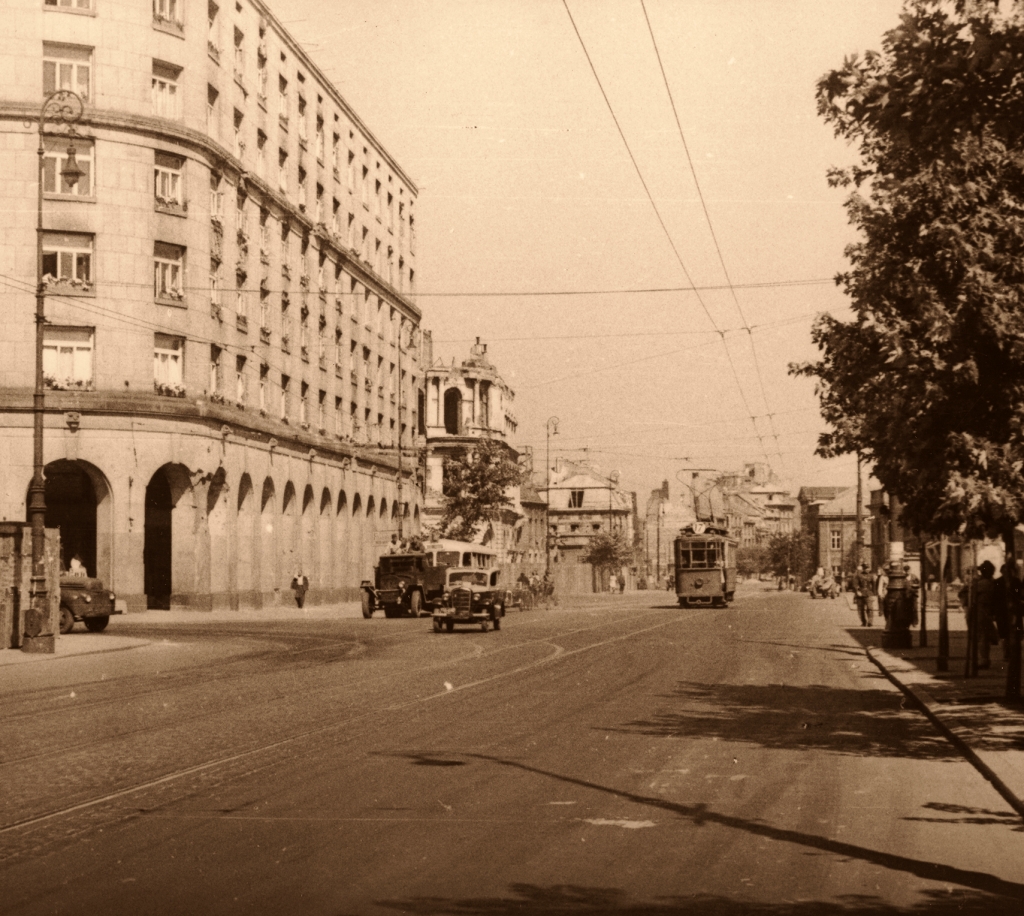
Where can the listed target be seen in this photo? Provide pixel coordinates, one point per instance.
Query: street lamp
(62, 107)
(551, 429)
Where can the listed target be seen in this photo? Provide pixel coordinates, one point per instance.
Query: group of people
(871, 595)
(993, 606)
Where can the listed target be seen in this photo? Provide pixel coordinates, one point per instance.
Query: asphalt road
(622, 756)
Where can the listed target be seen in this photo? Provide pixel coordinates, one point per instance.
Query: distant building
(583, 503)
(464, 404)
(829, 517)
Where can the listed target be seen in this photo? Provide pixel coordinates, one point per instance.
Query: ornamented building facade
(231, 348)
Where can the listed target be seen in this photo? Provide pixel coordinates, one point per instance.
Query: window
(239, 54)
(241, 388)
(165, 90)
(264, 381)
(216, 198)
(168, 183)
(376, 198)
(264, 234)
(339, 429)
(575, 499)
(282, 100)
(304, 404)
(215, 287)
(69, 4)
(391, 211)
(168, 12)
(261, 80)
(212, 36)
(211, 111)
(836, 539)
(67, 358)
(261, 154)
(320, 144)
(67, 259)
(215, 373)
(54, 159)
(336, 216)
(168, 271)
(285, 392)
(168, 364)
(321, 409)
(351, 170)
(239, 137)
(335, 153)
(318, 215)
(67, 67)
(282, 171)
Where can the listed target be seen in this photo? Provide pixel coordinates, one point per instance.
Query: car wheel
(437, 625)
(67, 621)
(367, 605)
(97, 624)
(416, 603)
(449, 625)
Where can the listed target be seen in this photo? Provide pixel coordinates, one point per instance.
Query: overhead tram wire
(711, 228)
(668, 236)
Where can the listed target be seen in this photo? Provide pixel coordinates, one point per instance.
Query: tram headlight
(697, 583)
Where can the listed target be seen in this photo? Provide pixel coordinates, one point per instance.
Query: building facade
(465, 403)
(231, 353)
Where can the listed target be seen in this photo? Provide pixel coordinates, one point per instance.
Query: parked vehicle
(473, 597)
(84, 598)
(826, 587)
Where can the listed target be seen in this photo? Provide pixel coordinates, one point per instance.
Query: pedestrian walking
(862, 593)
(983, 613)
(300, 584)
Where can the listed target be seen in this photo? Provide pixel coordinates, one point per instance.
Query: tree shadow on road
(573, 900)
(843, 721)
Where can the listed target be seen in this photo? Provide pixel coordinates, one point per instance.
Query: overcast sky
(577, 246)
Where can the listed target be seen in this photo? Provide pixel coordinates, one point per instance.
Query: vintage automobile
(84, 598)
(403, 583)
(472, 596)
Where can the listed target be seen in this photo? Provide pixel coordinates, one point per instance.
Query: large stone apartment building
(231, 351)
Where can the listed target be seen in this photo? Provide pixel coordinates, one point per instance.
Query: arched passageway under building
(78, 502)
(163, 517)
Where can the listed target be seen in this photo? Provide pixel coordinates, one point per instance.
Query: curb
(14, 657)
(958, 737)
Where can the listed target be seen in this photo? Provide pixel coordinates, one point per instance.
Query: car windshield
(467, 577)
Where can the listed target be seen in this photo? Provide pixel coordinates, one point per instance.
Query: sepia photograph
(489, 457)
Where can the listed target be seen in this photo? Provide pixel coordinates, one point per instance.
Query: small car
(472, 596)
(84, 598)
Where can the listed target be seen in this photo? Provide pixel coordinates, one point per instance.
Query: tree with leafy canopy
(790, 553)
(926, 381)
(608, 551)
(751, 560)
(476, 481)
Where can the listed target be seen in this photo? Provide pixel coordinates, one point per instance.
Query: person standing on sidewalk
(862, 593)
(880, 590)
(984, 611)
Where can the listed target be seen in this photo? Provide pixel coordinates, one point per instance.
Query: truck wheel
(67, 621)
(367, 605)
(97, 624)
(416, 603)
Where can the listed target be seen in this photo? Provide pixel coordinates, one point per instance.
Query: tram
(705, 558)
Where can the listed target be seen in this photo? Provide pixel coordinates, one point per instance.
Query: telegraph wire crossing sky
(596, 175)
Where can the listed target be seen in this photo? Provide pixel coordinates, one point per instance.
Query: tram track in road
(555, 654)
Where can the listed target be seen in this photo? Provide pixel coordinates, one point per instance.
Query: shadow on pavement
(572, 900)
(843, 721)
(965, 891)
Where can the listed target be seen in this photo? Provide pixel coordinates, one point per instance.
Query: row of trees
(926, 382)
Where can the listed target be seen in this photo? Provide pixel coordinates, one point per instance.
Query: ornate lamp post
(62, 107)
(550, 429)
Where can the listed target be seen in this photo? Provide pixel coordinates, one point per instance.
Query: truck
(84, 598)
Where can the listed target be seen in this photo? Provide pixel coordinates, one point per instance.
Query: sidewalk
(971, 712)
(80, 642)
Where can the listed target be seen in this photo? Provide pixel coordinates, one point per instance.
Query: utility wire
(664, 228)
(711, 228)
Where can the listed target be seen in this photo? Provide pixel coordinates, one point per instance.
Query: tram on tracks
(705, 558)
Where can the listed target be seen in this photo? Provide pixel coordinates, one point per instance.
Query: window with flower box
(169, 181)
(169, 15)
(168, 272)
(168, 365)
(166, 103)
(67, 358)
(67, 261)
(54, 160)
(67, 67)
